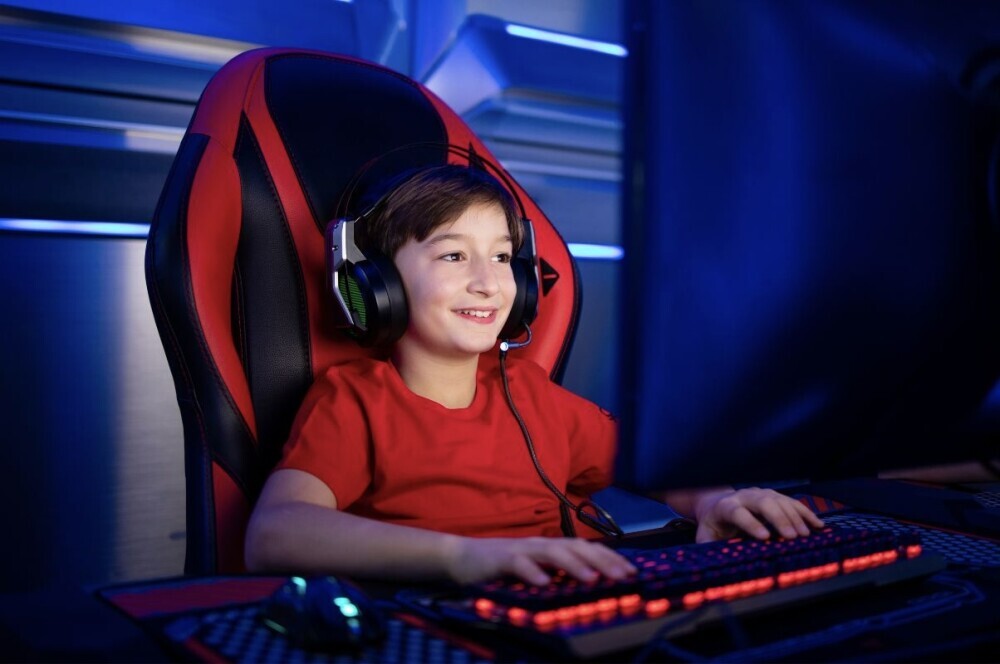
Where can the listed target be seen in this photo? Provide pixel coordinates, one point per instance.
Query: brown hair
(421, 202)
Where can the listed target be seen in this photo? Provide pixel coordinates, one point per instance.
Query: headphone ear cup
(385, 314)
(525, 306)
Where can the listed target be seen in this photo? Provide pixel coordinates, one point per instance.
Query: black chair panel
(269, 299)
(321, 106)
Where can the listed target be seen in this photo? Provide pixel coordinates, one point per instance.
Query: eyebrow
(444, 237)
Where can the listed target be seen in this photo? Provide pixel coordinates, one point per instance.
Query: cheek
(432, 295)
(423, 290)
(509, 287)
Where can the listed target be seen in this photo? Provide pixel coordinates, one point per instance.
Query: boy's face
(459, 285)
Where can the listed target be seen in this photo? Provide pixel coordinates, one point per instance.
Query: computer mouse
(323, 612)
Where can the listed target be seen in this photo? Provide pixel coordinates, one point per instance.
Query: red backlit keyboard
(686, 584)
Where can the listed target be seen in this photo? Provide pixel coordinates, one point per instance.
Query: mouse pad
(216, 619)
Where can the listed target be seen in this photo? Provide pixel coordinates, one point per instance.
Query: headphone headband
(474, 160)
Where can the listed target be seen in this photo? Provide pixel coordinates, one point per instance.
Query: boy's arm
(296, 526)
(723, 512)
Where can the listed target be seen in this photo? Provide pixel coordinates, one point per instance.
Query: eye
(502, 258)
(452, 257)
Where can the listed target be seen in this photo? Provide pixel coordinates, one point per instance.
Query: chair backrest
(235, 263)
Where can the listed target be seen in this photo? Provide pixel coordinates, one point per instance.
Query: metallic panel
(92, 452)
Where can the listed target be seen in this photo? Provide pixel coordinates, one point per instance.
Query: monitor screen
(811, 244)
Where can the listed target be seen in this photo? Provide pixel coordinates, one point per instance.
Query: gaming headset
(371, 300)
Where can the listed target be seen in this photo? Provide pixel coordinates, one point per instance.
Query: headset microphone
(506, 345)
(602, 522)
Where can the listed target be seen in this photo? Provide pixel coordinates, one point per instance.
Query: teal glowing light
(606, 252)
(346, 606)
(140, 230)
(105, 228)
(567, 40)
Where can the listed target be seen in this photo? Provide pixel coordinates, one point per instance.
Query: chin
(480, 348)
(484, 348)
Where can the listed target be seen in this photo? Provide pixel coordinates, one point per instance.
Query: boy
(414, 468)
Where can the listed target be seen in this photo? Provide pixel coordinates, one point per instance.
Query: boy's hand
(728, 513)
(477, 559)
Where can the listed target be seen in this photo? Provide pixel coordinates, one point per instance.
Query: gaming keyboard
(677, 588)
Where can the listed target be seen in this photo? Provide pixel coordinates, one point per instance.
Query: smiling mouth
(478, 315)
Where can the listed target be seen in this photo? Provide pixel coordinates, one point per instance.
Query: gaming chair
(235, 263)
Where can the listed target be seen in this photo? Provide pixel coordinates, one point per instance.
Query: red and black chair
(235, 262)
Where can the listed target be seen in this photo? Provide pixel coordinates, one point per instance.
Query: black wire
(659, 641)
(737, 635)
(603, 522)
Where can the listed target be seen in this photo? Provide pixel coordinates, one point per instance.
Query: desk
(960, 620)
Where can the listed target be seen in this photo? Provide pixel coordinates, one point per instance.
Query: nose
(483, 277)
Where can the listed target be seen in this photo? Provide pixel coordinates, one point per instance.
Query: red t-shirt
(392, 455)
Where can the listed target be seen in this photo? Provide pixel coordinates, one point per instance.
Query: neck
(449, 382)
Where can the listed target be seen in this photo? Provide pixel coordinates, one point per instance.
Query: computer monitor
(811, 285)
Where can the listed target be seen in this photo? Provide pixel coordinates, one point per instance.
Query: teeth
(477, 314)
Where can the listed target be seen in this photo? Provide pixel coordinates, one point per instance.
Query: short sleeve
(593, 438)
(330, 439)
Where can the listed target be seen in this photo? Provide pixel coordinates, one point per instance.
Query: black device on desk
(258, 619)
(679, 589)
(323, 611)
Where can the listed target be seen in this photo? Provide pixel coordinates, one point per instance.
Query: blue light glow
(106, 228)
(567, 40)
(604, 252)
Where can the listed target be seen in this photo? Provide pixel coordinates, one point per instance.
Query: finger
(800, 516)
(772, 511)
(724, 519)
(559, 553)
(810, 517)
(782, 513)
(707, 533)
(529, 570)
(609, 563)
(796, 518)
(744, 519)
(619, 562)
